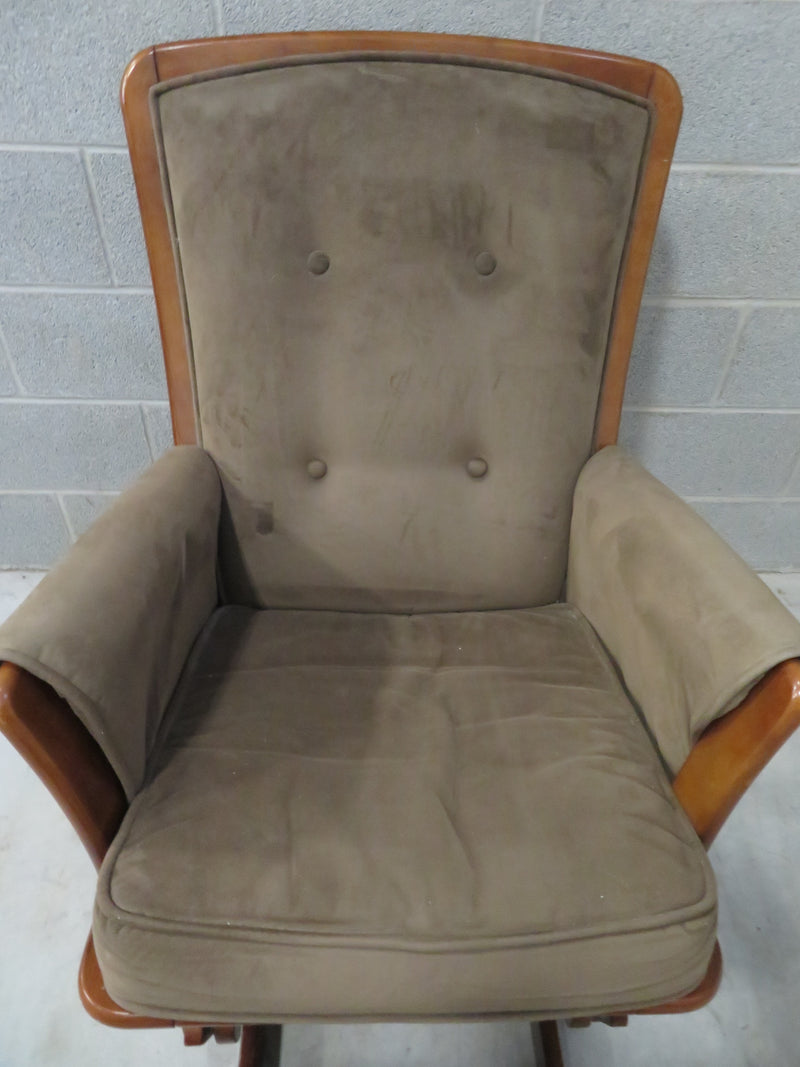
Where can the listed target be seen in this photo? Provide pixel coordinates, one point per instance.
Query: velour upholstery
(111, 626)
(398, 280)
(689, 624)
(361, 815)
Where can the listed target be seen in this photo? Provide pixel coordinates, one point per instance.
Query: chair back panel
(399, 275)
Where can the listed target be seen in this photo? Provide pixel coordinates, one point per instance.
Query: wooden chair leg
(193, 1036)
(548, 1042)
(227, 1035)
(261, 1046)
(198, 1035)
(581, 1022)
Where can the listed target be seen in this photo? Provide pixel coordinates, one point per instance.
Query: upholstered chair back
(399, 276)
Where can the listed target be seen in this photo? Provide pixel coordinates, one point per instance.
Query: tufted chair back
(398, 275)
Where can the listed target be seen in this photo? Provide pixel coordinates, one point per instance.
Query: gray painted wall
(713, 404)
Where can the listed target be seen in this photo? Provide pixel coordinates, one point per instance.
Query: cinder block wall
(713, 404)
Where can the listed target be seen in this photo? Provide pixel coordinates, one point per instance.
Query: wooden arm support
(55, 743)
(733, 750)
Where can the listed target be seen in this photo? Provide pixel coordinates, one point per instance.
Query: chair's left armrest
(690, 626)
(110, 628)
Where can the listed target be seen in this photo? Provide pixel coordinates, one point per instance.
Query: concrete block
(119, 210)
(84, 345)
(50, 236)
(715, 453)
(766, 368)
(8, 387)
(767, 535)
(728, 234)
(511, 18)
(736, 64)
(70, 446)
(792, 487)
(32, 530)
(62, 63)
(678, 354)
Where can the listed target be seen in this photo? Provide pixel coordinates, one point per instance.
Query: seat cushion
(447, 815)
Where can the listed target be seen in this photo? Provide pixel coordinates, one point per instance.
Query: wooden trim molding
(667, 105)
(140, 75)
(97, 1002)
(699, 997)
(181, 58)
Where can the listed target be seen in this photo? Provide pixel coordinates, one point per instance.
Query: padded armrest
(111, 626)
(691, 627)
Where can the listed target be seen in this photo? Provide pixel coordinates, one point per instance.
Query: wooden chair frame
(729, 754)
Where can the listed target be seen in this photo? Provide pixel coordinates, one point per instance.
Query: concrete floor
(47, 885)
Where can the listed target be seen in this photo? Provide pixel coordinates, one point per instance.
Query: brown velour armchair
(398, 691)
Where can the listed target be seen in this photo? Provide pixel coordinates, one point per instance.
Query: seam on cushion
(662, 772)
(388, 665)
(271, 754)
(558, 607)
(176, 700)
(601, 654)
(171, 711)
(220, 930)
(302, 940)
(631, 996)
(443, 59)
(627, 997)
(625, 1002)
(275, 753)
(82, 705)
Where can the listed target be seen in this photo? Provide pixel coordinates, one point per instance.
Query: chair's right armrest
(110, 628)
(688, 623)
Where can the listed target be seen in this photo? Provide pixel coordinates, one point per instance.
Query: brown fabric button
(477, 467)
(317, 468)
(485, 263)
(318, 262)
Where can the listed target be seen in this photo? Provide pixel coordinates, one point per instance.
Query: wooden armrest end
(733, 750)
(55, 743)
